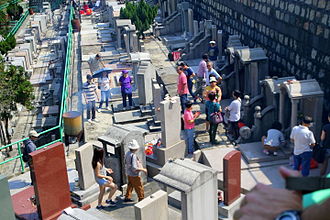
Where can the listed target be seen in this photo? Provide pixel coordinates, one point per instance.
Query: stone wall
(295, 34)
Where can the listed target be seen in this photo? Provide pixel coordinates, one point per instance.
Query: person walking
(102, 179)
(213, 51)
(29, 147)
(211, 73)
(125, 82)
(182, 88)
(212, 106)
(90, 95)
(274, 139)
(303, 140)
(133, 167)
(234, 114)
(202, 69)
(95, 63)
(189, 126)
(190, 77)
(104, 85)
(325, 142)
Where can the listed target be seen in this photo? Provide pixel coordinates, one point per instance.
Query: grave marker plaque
(232, 176)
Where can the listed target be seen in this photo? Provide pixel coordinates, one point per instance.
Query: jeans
(213, 132)
(105, 95)
(91, 107)
(190, 135)
(190, 88)
(183, 100)
(234, 129)
(130, 100)
(304, 160)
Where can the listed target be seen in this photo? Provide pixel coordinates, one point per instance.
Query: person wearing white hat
(29, 147)
(133, 168)
(213, 51)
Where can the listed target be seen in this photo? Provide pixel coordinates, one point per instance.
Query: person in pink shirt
(182, 88)
(201, 73)
(189, 126)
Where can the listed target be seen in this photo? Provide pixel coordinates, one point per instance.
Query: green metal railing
(18, 24)
(63, 108)
(5, 5)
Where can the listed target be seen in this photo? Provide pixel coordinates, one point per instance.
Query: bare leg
(263, 140)
(113, 188)
(102, 190)
(324, 166)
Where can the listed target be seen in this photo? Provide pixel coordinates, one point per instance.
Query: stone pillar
(232, 177)
(208, 27)
(195, 23)
(190, 15)
(257, 123)
(126, 41)
(219, 39)
(169, 9)
(281, 107)
(236, 69)
(152, 206)
(118, 38)
(317, 116)
(254, 79)
(294, 112)
(246, 108)
(214, 32)
(157, 98)
(135, 45)
(201, 26)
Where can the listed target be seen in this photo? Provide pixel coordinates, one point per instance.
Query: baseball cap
(89, 76)
(33, 133)
(213, 79)
(124, 71)
(212, 42)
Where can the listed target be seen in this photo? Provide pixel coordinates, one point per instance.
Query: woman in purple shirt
(126, 88)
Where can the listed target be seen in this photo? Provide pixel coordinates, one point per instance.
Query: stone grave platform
(253, 153)
(117, 106)
(129, 117)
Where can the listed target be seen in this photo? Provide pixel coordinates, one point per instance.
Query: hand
(265, 202)
(145, 170)
(110, 171)
(109, 178)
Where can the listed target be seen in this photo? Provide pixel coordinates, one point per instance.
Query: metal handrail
(65, 90)
(18, 24)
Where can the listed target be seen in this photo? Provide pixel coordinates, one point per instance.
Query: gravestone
(51, 180)
(232, 177)
(83, 163)
(7, 212)
(195, 23)
(157, 97)
(197, 184)
(152, 206)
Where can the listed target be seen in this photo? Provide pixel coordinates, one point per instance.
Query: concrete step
(174, 199)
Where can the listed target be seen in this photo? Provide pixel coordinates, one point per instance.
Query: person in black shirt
(325, 142)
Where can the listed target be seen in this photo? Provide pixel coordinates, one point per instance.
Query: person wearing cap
(94, 63)
(214, 89)
(133, 168)
(213, 51)
(303, 140)
(29, 147)
(90, 95)
(211, 72)
(125, 82)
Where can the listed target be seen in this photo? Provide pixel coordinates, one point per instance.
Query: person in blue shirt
(213, 51)
(188, 71)
(29, 147)
(212, 106)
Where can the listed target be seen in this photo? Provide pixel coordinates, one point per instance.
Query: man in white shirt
(94, 63)
(234, 114)
(104, 85)
(303, 140)
(211, 73)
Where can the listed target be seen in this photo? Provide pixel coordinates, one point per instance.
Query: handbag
(319, 153)
(216, 118)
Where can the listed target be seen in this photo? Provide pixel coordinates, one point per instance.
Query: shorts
(101, 181)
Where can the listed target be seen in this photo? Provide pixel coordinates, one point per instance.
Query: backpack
(25, 155)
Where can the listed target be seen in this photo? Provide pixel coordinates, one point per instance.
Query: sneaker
(98, 110)
(100, 207)
(128, 200)
(95, 120)
(275, 153)
(109, 108)
(90, 121)
(124, 109)
(266, 152)
(110, 202)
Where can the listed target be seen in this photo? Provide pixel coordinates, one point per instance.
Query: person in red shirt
(189, 126)
(182, 88)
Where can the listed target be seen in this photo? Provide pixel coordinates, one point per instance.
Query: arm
(323, 135)
(135, 165)
(312, 140)
(319, 211)
(97, 172)
(219, 95)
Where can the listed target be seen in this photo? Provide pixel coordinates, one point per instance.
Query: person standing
(89, 91)
(212, 106)
(102, 179)
(29, 147)
(125, 82)
(190, 76)
(202, 69)
(213, 51)
(182, 88)
(325, 142)
(211, 73)
(104, 85)
(234, 114)
(303, 140)
(95, 62)
(133, 168)
(189, 126)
